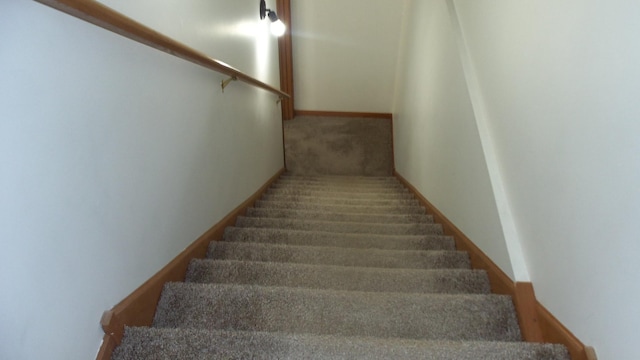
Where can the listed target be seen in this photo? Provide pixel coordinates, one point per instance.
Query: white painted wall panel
(561, 85)
(114, 157)
(437, 144)
(345, 54)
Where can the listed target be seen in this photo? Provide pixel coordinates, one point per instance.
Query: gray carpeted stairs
(333, 268)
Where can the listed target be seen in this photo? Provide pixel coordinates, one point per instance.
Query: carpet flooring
(321, 145)
(331, 267)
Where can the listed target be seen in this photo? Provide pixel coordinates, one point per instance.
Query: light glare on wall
(278, 28)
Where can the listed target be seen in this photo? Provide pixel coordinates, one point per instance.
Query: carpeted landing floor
(333, 268)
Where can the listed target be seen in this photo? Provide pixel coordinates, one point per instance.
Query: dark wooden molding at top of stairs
(537, 324)
(139, 307)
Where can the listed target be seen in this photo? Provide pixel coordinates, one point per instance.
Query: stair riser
(339, 217)
(342, 182)
(364, 187)
(338, 278)
(339, 201)
(194, 344)
(250, 308)
(338, 178)
(341, 189)
(340, 227)
(303, 238)
(346, 195)
(339, 256)
(388, 210)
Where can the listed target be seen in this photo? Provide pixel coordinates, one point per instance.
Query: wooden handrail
(105, 17)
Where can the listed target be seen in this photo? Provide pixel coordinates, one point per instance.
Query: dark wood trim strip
(536, 322)
(286, 59)
(500, 282)
(393, 147)
(524, 300)
(138, 309)
(554, 332)
(108, 345)
(387, 116)
(107, 18)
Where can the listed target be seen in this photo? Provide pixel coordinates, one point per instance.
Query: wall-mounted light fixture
(277, 26)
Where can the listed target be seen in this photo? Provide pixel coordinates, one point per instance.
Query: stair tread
(340, 189)
(334, 194)
(345, 184)
(339, 256)
(334, 267)
(347, 180)
(350, 313)
(140, 343)
(327, 239)
(338, 277)
(340, 217)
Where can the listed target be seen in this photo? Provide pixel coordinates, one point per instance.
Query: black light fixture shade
(263, 9)
(264, 12)
(277, 26)
(272, 16)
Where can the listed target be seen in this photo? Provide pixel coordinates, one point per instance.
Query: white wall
(345, 54)
(437, 144)
(114, 157)
(561, 87)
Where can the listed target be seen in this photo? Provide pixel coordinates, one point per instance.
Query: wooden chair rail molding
(537, 324)
(139, 308)
(107, 18)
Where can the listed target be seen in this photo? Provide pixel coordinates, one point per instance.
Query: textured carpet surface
(340, 217)
(338, 277)
(350, 313)
(358, 209)
(333, 268)
(340, 146)
(195, 344)
(408, 259)
(329, 239)
(340, 227)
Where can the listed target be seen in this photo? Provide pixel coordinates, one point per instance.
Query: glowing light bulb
(278, 28)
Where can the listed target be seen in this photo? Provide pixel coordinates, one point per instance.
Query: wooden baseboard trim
(524, 300)
(500, 282)
(108, 345)
(554, 332)
(138, 309)
(537, 324)
(387, 116)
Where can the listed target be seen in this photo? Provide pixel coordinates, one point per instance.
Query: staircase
(333, 268)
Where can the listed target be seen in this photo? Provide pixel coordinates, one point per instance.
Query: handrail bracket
(226, 82)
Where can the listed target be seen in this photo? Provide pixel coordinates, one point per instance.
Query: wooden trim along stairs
(537, 324)
(139, 307)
